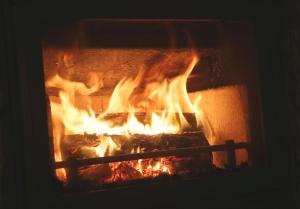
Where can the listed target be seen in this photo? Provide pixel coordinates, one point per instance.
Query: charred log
(83, 146)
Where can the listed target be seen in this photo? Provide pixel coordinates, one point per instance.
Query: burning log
(191, 151)
(82, 145)
(161, 141)
(120, 118)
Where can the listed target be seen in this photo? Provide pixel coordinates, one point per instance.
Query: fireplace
(167, 98)
(143, 111)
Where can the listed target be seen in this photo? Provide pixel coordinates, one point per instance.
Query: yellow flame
(107, 145)
(169, 99)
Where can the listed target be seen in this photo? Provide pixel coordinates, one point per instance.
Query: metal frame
(72, 164)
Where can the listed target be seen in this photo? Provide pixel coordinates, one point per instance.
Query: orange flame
(168, 97)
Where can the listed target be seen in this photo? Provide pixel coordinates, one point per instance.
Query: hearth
(143, 110)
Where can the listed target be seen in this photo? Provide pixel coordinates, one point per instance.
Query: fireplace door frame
(31, 178)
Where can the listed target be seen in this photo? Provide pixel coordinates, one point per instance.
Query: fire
(164, 101)
(136, 169)
(106, 145)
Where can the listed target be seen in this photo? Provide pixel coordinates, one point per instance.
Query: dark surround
(26, 185)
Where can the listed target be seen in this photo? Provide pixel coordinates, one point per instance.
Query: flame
(164, 100)
(171, 95)
(138, 168)
(106, 145)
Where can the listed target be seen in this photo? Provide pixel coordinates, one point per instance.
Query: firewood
(160, 141)
(80, 146)
(120, 118)
(180, 152)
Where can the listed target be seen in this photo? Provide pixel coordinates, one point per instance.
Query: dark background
(279, 53)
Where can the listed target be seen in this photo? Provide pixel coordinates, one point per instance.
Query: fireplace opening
(147, 100)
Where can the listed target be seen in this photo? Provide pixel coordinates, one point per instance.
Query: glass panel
(136, 99)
